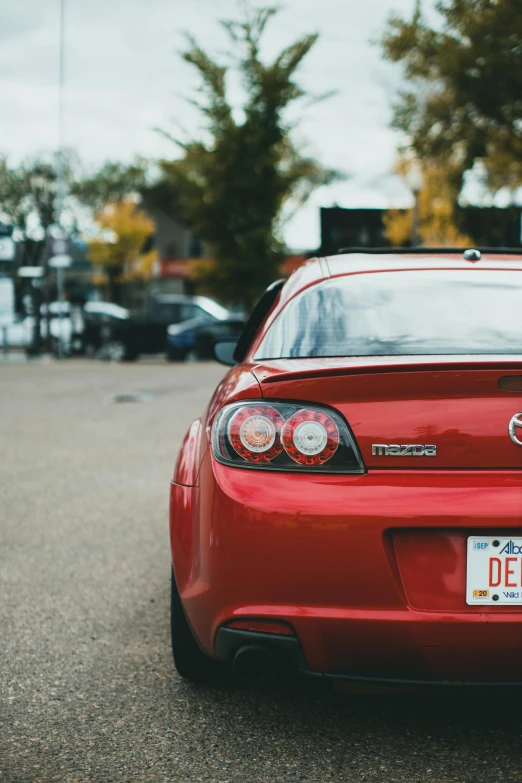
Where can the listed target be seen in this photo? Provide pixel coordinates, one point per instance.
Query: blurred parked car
(194, 339)
(104, 326)
(65, 326)
(18, 334)
(112, 332)
(67, 329)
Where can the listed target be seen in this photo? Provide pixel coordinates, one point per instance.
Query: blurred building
(492, 226)
(342, 227)
(178, 249)
(489, 227)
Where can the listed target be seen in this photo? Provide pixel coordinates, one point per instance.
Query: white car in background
(20, 334)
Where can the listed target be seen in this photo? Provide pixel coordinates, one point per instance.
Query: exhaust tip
(255, 665)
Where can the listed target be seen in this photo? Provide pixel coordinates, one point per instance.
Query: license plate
(494, 571)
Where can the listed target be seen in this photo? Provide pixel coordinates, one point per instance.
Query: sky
(124, 78)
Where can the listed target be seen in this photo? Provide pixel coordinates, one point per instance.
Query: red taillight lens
(254, 432)
(284, 436)
(310, 437)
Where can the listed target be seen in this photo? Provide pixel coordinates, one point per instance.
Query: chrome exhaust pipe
(255, 665)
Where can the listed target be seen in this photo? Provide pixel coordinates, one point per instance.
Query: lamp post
(44, 187)
(48, 190)
(415, 181)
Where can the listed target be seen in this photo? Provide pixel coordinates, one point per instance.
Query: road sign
(7, 301)
(7, 248)
(61, 261)
(31, 271)
(59, 245)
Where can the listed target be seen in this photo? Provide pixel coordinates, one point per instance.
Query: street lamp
(44, 187)
(414, 180)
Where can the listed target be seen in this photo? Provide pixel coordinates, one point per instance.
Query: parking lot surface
(87, 686)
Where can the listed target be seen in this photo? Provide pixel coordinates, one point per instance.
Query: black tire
(131, 355)
(172, 355)
(117, 350)
(190, 662)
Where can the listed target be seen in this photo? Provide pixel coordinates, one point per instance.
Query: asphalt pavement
(87, 686)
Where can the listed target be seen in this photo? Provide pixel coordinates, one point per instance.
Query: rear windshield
(402, 313)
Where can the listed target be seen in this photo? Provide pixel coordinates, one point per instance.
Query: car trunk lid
(398, 406)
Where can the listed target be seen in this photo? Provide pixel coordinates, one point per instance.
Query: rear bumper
(319, 553)
(289, 652)
(405, 645)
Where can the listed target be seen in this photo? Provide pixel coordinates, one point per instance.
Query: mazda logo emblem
(515, 429)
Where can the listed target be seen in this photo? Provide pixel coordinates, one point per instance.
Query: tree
(111, 183)
(464, 101)
(120, 252)
(28, 194)
(15, 190)
(231, 188)
(438, 224)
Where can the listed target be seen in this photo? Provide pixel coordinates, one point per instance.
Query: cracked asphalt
(87, 686)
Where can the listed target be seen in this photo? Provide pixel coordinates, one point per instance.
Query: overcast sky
(124, 78)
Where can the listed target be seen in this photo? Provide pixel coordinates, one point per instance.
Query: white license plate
(494, 570)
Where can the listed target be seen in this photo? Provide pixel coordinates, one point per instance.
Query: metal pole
(45, 294)
(60, 190)
(415, 219)
(36, 348)
(5, 341)
(59, 279)
(60, 167)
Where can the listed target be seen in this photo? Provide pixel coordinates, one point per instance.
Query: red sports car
(350, 503)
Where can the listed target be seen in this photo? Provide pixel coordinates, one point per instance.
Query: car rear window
(402, 313)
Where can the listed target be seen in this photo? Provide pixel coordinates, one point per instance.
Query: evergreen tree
(231, 188)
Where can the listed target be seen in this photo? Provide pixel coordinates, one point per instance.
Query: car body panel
(189, 457)
(239, 383)
(313, 577)
(413, 406)
(183, 521)
(369, 569)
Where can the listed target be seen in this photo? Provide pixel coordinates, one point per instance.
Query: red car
(350, 503)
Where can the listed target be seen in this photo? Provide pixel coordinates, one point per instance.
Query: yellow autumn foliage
(121, 256)
(436, 204)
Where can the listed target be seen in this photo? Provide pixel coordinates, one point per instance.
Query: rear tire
(190, 662)
(173, 355)
(117, 351)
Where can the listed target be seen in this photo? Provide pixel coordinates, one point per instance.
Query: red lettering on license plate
(505, 572)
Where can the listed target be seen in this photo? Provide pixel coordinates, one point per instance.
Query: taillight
(310, 437)
(254, 432)
(285, 436)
